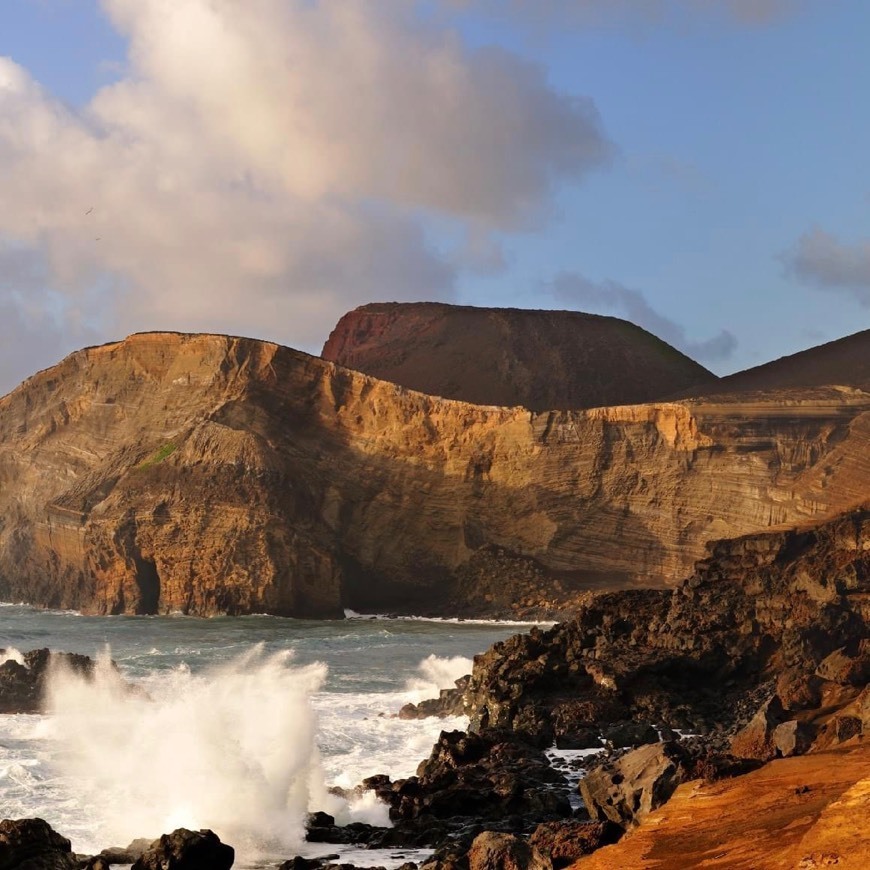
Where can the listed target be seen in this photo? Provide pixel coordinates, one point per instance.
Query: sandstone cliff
(507, 356)
(212, 474)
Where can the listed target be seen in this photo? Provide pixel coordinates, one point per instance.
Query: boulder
(22, 685)
(566, 842)
(756, 740)
(127, 855)
(494, 851)
(32, 844)
(793, 738)
(630, 734)
(486, 776)
(626, 790)
(187, 850)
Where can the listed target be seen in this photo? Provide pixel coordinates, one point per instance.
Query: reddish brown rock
(565, 842)
(494, 851)
(542, 360)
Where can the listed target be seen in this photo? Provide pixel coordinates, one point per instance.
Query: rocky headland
(762, 654)
(208, 474)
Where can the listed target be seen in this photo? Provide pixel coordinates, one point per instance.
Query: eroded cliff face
(211, 474)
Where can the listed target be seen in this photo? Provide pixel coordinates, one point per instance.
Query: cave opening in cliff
(148, 581)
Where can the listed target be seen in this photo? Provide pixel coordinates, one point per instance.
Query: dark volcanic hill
(542, 360)
(845, 362)
(211, 474)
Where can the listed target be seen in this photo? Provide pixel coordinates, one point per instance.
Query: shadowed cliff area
(541, 360)
(211, 474)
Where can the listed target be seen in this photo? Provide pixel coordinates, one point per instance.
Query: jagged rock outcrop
(473, 776)
(29, 844)
(542, 360)
(209, 474)
(762, 614)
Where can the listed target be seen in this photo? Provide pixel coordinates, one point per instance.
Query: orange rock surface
(793, 814)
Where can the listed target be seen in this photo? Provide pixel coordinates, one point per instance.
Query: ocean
(238, 724)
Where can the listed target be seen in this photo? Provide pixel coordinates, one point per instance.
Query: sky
(258, 168)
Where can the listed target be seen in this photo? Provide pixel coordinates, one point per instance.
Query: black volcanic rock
(187, 850)
(758, 608)
(22, 686)
(492, 776)
(32, 844)
(542, 360)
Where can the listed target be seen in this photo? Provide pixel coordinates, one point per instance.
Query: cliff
(212, 474)
(508, 356)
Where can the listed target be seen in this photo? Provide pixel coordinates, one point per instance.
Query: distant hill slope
(211, 474)
(845, 362)
(542, 360)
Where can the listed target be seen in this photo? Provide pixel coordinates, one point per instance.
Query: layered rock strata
(208, 474)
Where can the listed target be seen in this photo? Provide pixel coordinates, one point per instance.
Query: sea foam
(231, 749)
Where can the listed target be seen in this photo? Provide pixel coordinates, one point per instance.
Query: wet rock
(474, 775)
(495, 851)
(22, 686)
(630, 734)
(626, 790)
(32, 844)
(300, 863)
(187, 850)
(129, 854)
(566, 842)
(450, 702)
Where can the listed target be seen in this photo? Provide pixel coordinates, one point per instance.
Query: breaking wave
(231, 748)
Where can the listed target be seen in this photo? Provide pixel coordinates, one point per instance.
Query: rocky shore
(762, 654)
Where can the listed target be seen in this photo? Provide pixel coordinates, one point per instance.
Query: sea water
(238, 724)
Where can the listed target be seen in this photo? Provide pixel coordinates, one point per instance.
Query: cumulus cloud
(823, 261)
(610, 297)
(33, 319)
(261, 168)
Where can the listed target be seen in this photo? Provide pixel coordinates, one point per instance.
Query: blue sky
(698, 170)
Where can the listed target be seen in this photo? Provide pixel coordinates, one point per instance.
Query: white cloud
(823, 261)
(612, 298)
(265, 166)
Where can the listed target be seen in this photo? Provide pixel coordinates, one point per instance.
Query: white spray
(232, 749)
(436, 673)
